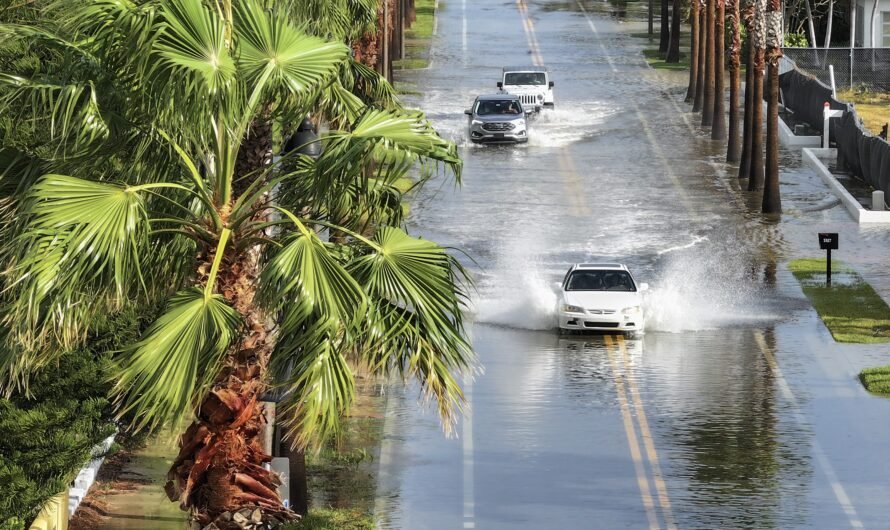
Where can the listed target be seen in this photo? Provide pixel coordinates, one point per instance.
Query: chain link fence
(854, 68)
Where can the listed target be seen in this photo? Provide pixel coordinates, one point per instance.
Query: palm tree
(673, 52)
(747, 16)
(718, 124)
(772, 202)
(758, 41)
(693, 50)
(699, 99)
(733, 147)
(707, 114)
(147, 181)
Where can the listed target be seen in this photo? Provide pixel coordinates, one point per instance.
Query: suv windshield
(525, 78)
(593, 280)
(498, 106)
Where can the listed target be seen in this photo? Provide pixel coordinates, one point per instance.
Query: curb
(811, 156)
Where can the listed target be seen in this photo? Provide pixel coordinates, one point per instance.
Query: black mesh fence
(867, 68)
(865, 155)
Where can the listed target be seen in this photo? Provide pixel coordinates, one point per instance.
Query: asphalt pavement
(735, 409)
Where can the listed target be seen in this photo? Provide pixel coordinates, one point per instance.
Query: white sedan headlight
(631, 310)
(567, 308)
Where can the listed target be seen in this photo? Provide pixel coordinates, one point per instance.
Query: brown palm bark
(219, 471)
(693, 50)
(718, 124)
(747, 15)
(733, 145)
(755, 177)
(772, 202)
(664, 36)
(707, 112)
(699, 100)
(673, 53)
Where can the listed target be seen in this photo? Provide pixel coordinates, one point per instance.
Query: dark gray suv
(497, 118)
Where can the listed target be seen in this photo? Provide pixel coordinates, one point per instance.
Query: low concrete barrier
(813, 158)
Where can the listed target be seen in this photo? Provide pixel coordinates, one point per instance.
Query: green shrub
(796, 40)
(48, 434)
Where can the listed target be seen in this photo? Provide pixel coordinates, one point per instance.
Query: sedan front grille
(498, 126)
(601, 311)
(601, 324)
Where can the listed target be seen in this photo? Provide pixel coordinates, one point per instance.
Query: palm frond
(270, 45)
(80, 246)
(163, 377)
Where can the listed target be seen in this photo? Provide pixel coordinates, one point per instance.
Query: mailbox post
(828, 241)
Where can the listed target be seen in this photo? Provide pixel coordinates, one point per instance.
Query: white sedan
(600, 297)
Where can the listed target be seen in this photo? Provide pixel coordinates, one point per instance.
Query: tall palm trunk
(707, 113)
(718, 126)
(748, 19)
(772, 202)
(693, 51)
(664, 37)
(733, 146)
(755, 177)
(699, 101)
(219, 470)
(673, 53)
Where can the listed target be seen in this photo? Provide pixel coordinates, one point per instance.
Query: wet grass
(850, 308)
(419, 38)
(655, 58)
(872, 107)
(876, 380)
(336, 519)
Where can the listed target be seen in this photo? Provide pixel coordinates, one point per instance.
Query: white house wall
(866, 23)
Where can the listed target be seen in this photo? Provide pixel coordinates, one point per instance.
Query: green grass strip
(876, 380)
(333, 519)
(850, 308)
(419, 37)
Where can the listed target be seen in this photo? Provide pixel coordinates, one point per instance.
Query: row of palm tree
(763, 26)
(138, 172)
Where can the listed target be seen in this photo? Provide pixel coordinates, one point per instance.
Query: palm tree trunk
(673, 54)
(707, 113)
(219, 470)
(733, 146)
(745, 163)
(755, 178)
(693, 51)
(699, 100)
(772, 202)
(718, 126)
(664, 37)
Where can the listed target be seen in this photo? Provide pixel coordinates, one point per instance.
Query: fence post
(831, 75)
(825, 130)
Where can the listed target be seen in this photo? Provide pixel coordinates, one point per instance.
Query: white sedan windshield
(591, 280)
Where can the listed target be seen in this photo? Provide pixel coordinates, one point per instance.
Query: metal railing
(853, 67)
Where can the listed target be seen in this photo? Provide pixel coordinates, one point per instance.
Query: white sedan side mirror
(644, 286)
(557, 286)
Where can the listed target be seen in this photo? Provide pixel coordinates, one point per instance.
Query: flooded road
(734, 410)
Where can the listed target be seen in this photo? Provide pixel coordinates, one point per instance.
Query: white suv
(531, 83)
(600, 297)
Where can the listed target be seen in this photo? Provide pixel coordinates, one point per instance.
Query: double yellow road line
(642, 447)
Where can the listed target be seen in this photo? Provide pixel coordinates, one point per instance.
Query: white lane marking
(839, 492)
(463, 11)
(469, 490)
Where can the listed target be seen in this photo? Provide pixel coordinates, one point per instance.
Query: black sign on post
(828, 241)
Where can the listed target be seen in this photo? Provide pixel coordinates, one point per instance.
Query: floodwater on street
(734, 410)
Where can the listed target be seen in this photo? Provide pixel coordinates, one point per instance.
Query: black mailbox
(828, 241)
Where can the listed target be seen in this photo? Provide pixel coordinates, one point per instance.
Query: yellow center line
(530, 35)
(646, 435)
(633, 443)
(580, 207)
